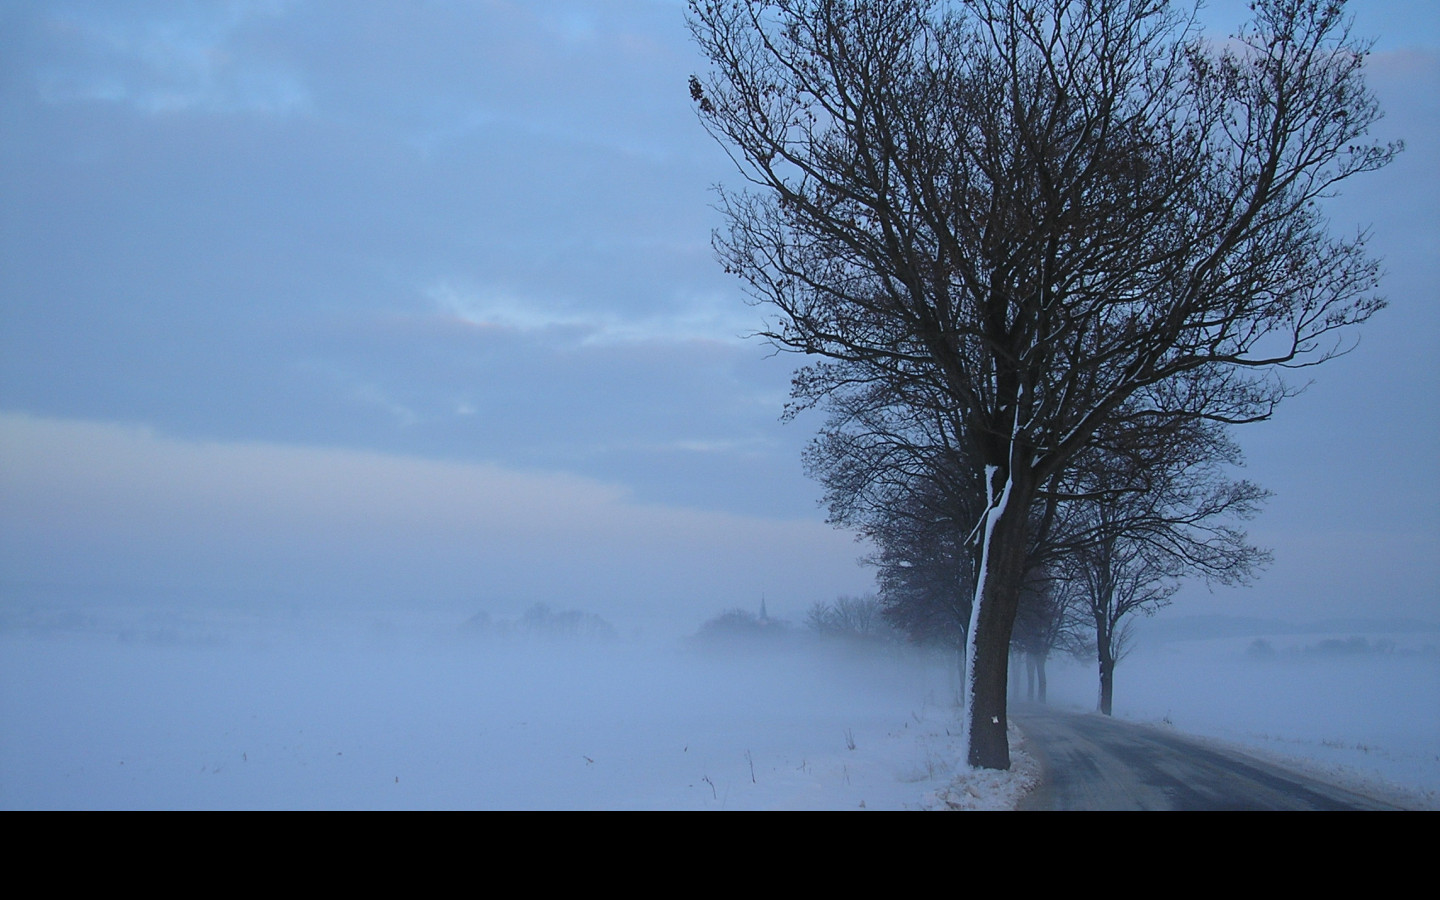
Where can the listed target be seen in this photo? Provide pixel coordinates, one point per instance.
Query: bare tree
(926, 576)
(1142, 519)
(855, 618)
(1041, 218)
(1115, 578)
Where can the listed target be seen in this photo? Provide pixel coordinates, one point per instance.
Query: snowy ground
(173, 714)
(179, 712)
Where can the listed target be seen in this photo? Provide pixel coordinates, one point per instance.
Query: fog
(117, 708)
(180, 712)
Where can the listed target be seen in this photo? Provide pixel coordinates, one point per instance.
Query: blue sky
(414, 303)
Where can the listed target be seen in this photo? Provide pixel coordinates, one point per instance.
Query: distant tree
(1114, 579)
(855, 618)
(540, 621)
(926, 580)
(740, 627)
(890, 474)
(1039, 220)
(1142, 517)
(1044, 623)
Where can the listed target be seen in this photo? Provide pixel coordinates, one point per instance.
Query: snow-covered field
(173, 711)
(173, 714)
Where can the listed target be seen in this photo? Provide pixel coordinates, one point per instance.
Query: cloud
(709, 318)
(166, 58)
(85, 504)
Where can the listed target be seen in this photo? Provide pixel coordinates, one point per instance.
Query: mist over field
(130, 709)
(180, 712)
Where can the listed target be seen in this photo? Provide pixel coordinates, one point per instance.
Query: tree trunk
(997, 597)
(1012, 685)
(1107, 677)
(1040, 677)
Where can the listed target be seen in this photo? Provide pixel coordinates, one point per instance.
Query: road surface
(1094, 762)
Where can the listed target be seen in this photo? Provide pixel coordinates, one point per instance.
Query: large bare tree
(1047, 217)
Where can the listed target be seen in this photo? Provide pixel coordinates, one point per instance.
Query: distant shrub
(1260, 649)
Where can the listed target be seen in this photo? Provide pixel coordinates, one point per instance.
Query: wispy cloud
(167, 58)
(698, 318)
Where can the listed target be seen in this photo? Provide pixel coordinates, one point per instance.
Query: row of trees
(1119, 544)
(1122, 531)
(1045, 252)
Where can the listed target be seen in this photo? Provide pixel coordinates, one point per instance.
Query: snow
(190, 713)
(1370, 719)
(203, 711)
(993, 511)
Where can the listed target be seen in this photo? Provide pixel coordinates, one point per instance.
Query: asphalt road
(1093, 762)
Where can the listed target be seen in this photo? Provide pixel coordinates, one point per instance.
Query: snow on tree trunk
(997, 596)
